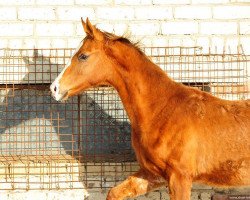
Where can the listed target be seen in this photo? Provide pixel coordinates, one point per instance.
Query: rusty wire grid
(85, 142)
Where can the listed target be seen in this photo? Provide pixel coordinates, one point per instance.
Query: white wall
(56, 23)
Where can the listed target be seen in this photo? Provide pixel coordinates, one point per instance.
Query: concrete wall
(54, 23)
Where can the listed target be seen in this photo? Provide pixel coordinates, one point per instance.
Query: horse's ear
(84, 26)
(92, 31)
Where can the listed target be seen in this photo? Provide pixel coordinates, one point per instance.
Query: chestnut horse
(180, 134)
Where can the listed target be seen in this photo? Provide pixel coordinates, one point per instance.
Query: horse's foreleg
(179, 187)
(135, 185)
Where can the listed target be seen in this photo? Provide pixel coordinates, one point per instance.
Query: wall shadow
(87, 127)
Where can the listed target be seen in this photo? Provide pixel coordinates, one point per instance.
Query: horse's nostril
(55, 88)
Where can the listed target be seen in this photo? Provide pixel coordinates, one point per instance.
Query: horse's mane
(123, 39)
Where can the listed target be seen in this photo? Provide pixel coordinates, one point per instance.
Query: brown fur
(180, 135)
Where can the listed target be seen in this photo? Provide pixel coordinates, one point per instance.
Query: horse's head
(88, 67)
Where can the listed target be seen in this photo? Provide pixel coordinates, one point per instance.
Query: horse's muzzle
(56, 93)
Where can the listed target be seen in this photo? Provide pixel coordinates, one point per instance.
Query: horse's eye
(82, 57)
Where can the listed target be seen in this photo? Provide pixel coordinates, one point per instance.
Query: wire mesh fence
(86, 140)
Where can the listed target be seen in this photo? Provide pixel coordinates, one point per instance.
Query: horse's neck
(143, 87)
